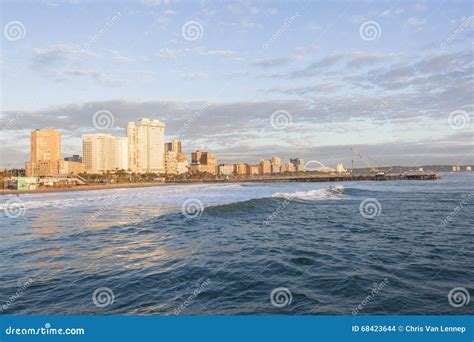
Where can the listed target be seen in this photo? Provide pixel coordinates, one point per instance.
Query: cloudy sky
(245, 79)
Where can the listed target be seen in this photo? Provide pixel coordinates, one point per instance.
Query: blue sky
(389, 88)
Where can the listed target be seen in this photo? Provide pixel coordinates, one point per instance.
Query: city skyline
(334, 85)
(142, 150)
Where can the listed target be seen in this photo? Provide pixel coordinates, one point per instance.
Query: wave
(311, 195)
(243, 207)
(256, 203)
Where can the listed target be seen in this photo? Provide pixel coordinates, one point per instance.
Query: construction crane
(366, 161)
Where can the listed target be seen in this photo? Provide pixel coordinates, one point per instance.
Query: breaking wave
(311, 195)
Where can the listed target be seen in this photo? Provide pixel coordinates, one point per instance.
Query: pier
(346, 178)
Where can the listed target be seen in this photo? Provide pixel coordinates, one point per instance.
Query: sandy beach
(81, 188)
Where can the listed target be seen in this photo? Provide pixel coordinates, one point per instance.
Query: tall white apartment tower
(97, 152)
(104, 152)
(121, 153)
(146, 146)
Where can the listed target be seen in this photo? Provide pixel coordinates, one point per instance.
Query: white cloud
(61, 52)
(419, 7)
(415, 23)
(275, 61)
(169, 53)
(314, 28)
(193, 75)
(98, 76)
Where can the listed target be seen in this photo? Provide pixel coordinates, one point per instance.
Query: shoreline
(314, 178)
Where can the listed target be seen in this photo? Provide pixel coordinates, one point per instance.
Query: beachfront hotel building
(104, 152)
(174, 146)
(203, 162)
(45, 155)
(176, 163)
(298, 163)
(240, 169)
(288, 167)
(276, 163)
(146, 141)
(265, 167)
(253, 170)
(45, 145)
(120, 160)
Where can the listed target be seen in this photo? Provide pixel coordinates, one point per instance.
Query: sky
(245, 80)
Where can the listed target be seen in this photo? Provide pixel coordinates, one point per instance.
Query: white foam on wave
(311, 195)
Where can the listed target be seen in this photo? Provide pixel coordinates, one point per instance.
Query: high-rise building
(104, 152)
(276, 161)
(203, 162)
(98, 151)
(253, 170)
(298, 163)
(288, 167)
(174, 145)
(175, 161)
(146, 141)
(182, 165)
(120, 153)
(45, 155)
(265, 167)
(240, 169)
(275, 168)
(45, 152)
(45, 145)
(171, 163)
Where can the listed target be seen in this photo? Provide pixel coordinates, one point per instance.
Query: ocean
(349, 248)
